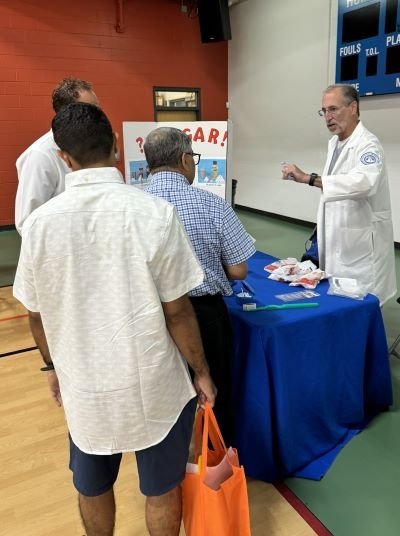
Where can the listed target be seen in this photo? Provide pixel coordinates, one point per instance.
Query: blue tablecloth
(305, 380)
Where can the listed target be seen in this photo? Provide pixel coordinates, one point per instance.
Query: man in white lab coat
(41, 171)
(355, 232)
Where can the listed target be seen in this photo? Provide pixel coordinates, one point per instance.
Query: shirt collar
(171, 176)
(93, 176)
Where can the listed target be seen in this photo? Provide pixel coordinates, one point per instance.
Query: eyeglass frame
(323, 111)
(193, 155)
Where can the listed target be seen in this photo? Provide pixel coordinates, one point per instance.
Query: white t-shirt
(96, 262)
(41, 176)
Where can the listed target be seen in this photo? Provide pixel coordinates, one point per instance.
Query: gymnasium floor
(36, 493)
(357, 497)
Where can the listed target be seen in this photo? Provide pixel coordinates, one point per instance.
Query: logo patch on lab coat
(369, 158)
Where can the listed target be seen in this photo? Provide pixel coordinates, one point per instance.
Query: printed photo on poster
(212, 171)
(139, 173)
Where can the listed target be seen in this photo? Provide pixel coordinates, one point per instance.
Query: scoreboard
(368, 45)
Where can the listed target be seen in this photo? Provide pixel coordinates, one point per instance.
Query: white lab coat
(355, 232)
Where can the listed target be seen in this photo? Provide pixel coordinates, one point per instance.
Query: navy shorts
(161, 467)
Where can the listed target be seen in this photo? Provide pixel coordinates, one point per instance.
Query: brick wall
(43, 41)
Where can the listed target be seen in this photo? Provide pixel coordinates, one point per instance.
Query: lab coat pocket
(355, 246)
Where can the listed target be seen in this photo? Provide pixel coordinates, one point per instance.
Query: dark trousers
(215, 328)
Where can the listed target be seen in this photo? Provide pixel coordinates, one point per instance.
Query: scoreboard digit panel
(368, 45)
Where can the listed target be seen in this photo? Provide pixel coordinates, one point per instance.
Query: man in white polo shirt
(104, 272)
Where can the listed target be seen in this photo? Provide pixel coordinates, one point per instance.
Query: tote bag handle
(210, 430)
(216, 440)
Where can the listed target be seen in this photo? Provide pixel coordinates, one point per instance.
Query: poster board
(209, 138)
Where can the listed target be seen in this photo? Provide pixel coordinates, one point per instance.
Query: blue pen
(251, 307)
(248, 286)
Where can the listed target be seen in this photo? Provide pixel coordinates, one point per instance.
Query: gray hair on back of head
(164, 146)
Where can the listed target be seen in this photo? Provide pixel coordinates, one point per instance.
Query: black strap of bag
(311, 249)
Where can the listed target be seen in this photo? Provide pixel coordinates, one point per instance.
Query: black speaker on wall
(214, 20)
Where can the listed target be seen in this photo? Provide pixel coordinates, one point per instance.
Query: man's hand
(205, 389)
(54, 387)
(292, 172)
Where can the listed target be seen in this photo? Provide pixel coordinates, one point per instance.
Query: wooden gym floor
(36, 493)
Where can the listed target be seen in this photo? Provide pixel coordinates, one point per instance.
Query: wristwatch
(312, 178)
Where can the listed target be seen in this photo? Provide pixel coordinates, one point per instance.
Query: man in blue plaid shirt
(222, 246)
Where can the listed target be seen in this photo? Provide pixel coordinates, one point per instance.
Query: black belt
(206, 298)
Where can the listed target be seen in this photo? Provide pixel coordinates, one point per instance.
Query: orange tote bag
(214, 490)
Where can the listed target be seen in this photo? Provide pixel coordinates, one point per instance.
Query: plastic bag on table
(309, 280)
(346, 287)
(290, 261)
(292, 272)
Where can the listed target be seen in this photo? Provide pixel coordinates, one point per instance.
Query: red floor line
(13, 317)
(302, 510)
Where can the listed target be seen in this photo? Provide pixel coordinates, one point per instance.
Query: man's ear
(64, 156)
(184, 161)
(116, 150)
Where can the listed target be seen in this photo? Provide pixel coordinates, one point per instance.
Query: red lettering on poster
(199, 135)
(139, 141)
(213, 136)
(225, 138)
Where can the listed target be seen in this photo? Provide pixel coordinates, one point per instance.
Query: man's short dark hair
(164, 146)
(84, 132)
(68, 91)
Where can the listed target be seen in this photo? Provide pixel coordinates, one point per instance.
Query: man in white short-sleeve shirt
(41, 171)
(104, 272)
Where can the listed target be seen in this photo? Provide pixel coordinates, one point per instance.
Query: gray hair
(164, 146)
(349, 94)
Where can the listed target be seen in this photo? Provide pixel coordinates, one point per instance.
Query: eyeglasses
(332, 110)
(196, 157)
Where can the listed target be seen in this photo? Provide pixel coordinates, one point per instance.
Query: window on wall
(176, 104)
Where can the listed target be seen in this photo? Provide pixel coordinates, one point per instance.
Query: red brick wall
(43, 41)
